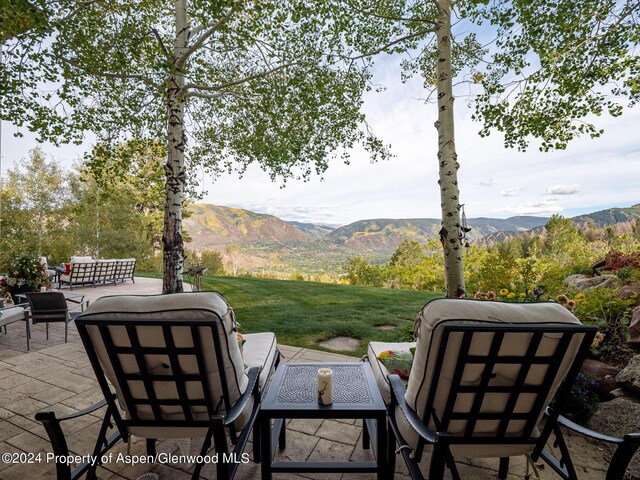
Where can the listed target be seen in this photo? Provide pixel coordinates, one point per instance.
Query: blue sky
(495, 182)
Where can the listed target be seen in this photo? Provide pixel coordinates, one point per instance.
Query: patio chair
(10, 315)
(170, 366)
(482, 378)
(49, 307)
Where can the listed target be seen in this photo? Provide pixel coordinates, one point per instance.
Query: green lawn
(305, 313)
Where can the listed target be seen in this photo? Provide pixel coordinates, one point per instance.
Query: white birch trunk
(448, 159)
(173, 247)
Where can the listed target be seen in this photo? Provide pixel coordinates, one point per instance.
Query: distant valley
(273, 245)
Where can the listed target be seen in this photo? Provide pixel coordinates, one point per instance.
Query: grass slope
(305, 313)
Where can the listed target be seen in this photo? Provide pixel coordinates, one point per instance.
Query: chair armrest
(398, 398)
(633, 438)
(241, 403)
(44, 415)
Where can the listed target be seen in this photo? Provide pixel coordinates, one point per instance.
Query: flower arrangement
(25, 273)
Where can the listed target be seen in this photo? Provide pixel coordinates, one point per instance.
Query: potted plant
(26, 274)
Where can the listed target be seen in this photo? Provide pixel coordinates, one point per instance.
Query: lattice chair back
(484, 372)
(173, 360)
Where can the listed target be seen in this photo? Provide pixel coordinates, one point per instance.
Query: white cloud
(509, 192)
(545, 208)
(560, 189)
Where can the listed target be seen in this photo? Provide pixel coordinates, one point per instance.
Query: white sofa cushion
(79, 259)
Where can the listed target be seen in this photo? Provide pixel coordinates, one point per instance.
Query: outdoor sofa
(87, 271)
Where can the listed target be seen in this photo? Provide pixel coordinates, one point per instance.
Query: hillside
(213, 226)
(276, 247)
(600, 219)
(387, 234)
(610, 216)
(312, 229)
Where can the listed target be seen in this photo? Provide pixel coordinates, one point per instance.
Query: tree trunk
(448, 159)
(173, 247)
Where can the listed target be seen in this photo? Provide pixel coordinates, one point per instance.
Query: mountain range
(213, 226)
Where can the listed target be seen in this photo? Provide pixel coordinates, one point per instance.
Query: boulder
(584, 283)
(616, 418)
(604, 374)
(630, 292)
(634, 326)
(629, 377)
(619, 392)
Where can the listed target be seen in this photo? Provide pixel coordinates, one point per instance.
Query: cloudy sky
(495, 182)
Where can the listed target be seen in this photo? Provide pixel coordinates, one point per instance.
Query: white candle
(325, 386)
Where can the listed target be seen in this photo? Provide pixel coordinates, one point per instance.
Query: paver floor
(57, 376)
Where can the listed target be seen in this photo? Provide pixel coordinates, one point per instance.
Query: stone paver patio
(57, 376)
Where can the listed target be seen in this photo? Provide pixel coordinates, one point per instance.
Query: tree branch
(198, 43)
(207, 88)
(121, 76)
(394, 42)
(161, 43)
(387, 17)
(208, 96)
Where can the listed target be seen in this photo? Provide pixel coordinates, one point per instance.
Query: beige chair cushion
(199, 305)
(260, 350)
(380, 372)
(428, 329)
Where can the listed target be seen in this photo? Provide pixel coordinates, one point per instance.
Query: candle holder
(325, 386)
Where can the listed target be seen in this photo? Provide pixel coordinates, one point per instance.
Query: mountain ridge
(214, 226)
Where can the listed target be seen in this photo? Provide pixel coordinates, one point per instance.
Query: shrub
(602, 307)
(617, 260)
(583, 398)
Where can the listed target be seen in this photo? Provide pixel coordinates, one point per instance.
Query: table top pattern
(299, 384)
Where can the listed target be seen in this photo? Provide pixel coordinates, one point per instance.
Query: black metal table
(293, 394)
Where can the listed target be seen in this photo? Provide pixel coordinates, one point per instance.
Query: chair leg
(66, 328)
(256, 441)
(205, 448)
(151, 447)
(47, 328)
(620, 460)
(220, 442)
(503, 470)
(437, 464)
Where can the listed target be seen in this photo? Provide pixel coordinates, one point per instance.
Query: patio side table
(293, 394)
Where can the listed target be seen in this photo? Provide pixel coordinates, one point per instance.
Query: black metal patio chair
(49, 307)
(483, 377)
(177, 371)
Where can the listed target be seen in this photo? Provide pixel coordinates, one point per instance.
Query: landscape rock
(630, 292)
(634, 326)
(604, 374)
(584, 283)
(346, 344)
(629, 377)
(616, 418)
(619, 392)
